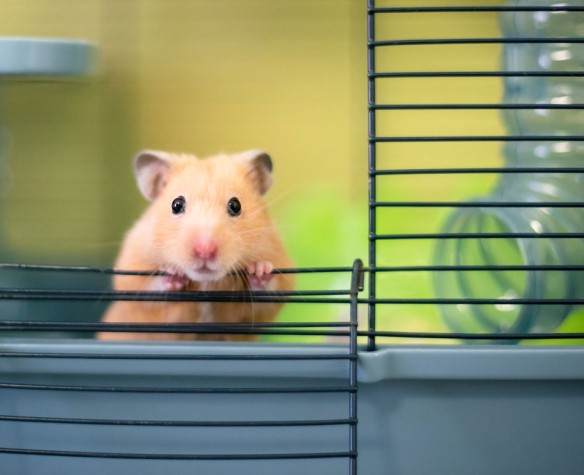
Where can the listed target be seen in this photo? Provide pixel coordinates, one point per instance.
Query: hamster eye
(234, 207)
(178, 205)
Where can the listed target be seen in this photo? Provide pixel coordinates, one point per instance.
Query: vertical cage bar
(356, 285)
(372, 152)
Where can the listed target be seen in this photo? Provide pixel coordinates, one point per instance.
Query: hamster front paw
(260, 274)
(174, 282)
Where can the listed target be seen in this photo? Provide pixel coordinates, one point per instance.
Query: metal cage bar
(372, 150)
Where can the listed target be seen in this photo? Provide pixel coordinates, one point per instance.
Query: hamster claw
(260, 274)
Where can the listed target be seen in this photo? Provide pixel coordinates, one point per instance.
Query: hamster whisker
(253, 211)
(242, 281)
(252, 306)
(283, 194)
(256, 230)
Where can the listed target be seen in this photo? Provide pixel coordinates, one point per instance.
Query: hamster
(209, 229)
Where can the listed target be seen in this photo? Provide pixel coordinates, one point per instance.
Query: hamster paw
(174, 282)
(260, 274)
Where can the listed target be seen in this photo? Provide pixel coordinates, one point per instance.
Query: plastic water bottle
(526, 187)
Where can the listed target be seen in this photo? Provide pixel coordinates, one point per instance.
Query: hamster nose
(205, 249)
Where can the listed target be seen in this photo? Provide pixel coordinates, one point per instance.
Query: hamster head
(208, 216)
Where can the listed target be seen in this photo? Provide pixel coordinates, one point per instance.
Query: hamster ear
(151, 169)
(260, 166)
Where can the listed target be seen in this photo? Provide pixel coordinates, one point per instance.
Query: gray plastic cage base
(421, 410)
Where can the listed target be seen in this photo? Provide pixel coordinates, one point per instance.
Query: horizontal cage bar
(533, 235)
(168, 390)
(150, 456)
(471, 74)
(186, 325)
(218, 357)
(147, 296)
(105, 270)
(476, 9)
(478, 268)
(296, 329)
(493, 170)
(367, 333)
(476, 336)
(474, 41)
(475, 204)
(480, 138)
(166, 423)
(407, 107)
(471, 301)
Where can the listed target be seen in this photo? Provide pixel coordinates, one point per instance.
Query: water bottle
(525, 187)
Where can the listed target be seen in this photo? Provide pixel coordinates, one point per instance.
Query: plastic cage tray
(82, 406)
(420, 410)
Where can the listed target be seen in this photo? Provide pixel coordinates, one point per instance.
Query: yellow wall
(197, 76)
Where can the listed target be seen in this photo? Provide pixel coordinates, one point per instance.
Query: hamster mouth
(205, 273)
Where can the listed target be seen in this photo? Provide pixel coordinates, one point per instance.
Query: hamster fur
(209, 229)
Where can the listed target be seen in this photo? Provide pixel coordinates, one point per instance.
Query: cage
(435, 364)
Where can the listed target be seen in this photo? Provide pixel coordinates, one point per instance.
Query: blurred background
(204, 76)
(191, 76)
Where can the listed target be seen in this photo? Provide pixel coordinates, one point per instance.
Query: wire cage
(502, 268)
(495, 256)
